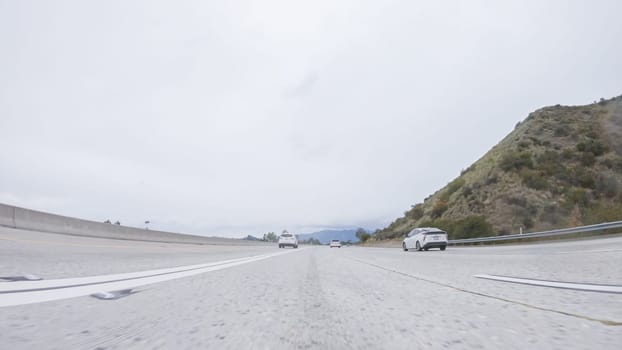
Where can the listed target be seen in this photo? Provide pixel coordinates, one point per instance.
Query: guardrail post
(13, 217)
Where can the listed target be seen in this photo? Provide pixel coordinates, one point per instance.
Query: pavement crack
(419, 278)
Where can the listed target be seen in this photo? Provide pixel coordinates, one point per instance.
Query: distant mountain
(326, 236)
(560, 167)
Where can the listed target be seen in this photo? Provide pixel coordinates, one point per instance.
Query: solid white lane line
(38, 296)
(587, 287)
(68, 282)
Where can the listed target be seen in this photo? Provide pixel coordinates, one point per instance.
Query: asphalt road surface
(181, 296)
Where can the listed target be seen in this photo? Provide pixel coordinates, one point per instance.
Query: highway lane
(321, 298)
(51, 256)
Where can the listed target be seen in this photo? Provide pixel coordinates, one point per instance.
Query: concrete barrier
(26, 219)
(7, 215)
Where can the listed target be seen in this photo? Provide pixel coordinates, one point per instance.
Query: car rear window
(435, 233)
(286, 235)
(336, 240)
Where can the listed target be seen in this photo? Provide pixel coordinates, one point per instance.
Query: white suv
(335, 243)
(288, 239)
(424, 238)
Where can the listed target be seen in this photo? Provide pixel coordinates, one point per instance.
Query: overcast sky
(242, 117)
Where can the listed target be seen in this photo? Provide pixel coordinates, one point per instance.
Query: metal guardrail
(560, 232)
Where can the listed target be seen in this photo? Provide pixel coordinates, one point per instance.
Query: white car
(424, 238)
(288, 240)
(335, 243)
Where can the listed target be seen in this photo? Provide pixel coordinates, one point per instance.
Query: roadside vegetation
(560, 167)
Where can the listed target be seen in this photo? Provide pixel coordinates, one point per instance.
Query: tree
(360, 232)
(270, 237)
(362, 235)
(312, 241)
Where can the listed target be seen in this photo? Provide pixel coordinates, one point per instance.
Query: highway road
(187, 296)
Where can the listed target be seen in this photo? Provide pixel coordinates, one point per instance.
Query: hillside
(560, 167)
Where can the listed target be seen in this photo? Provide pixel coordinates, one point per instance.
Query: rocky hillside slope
(560, 167)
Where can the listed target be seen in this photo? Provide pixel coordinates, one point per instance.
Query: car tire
(418, 246)
(443, 248)
(295, 247)
(404, 246)
(426, 249)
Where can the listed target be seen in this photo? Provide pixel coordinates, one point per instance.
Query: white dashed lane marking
(586, 287)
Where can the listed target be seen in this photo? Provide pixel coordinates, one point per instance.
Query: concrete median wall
(26, 219)
(7, 215)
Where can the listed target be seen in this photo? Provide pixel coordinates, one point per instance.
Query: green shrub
(439, 208)
(472, 226)
(455, 185)
(593, 146)
(577, 196)
(469, 227)
(561, 131)
(523, 145)
(516, 160)
(416, 212)
(552, 214)
(606, 185)
(365, 237)
(604, 212)
(518, 201)
(528, 222)
(586, 180)
(592, 134)
(568, 154)
(524, 214)
(492, 179)
(475, 205)
(588, 159)
(464, 171)
(534, 179)
(550, 163)
(546, 157)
